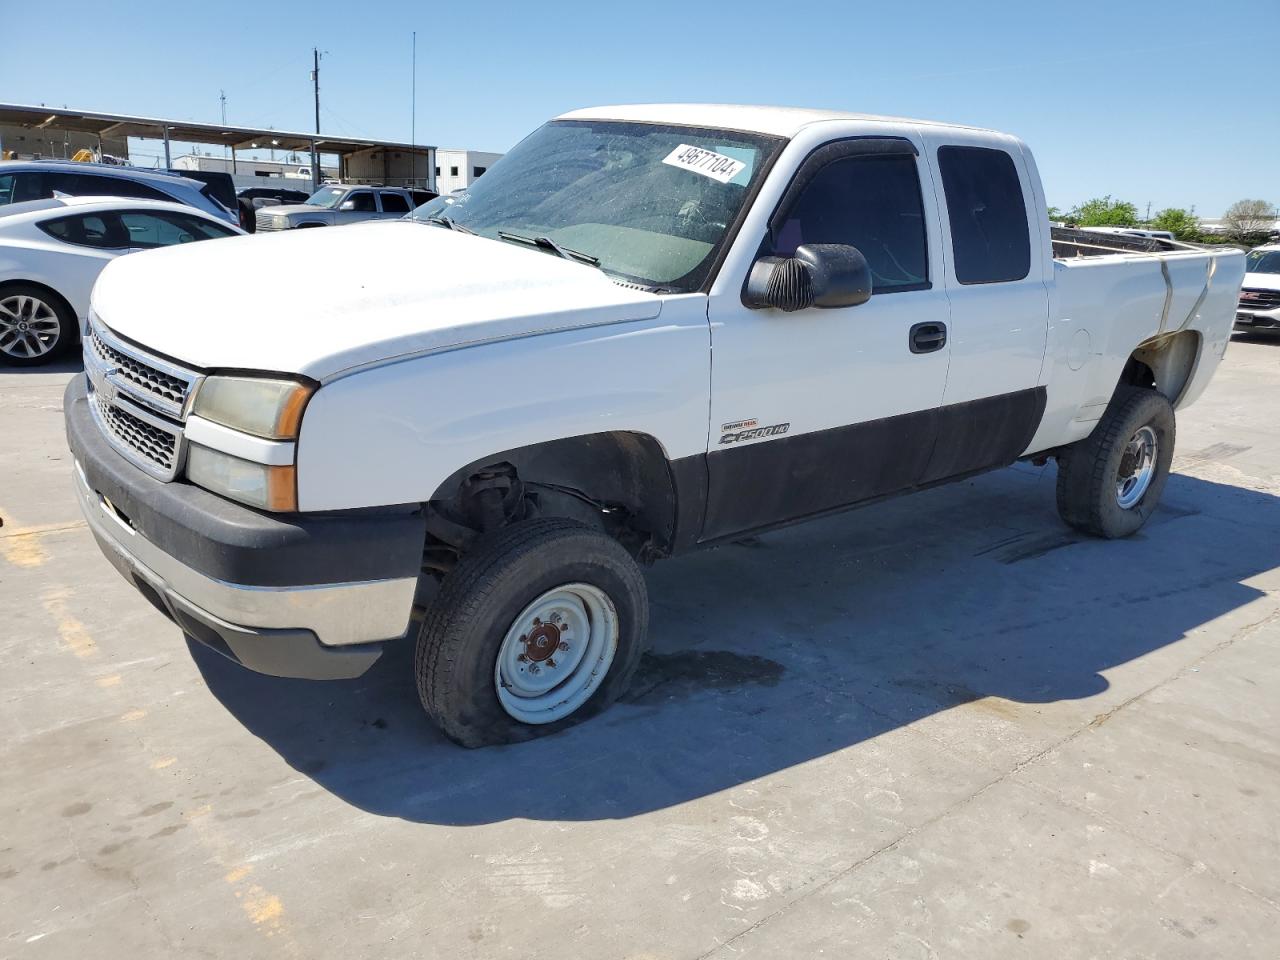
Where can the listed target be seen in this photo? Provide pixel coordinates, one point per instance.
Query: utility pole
(222, 96)
(413, 111)
(315, 157)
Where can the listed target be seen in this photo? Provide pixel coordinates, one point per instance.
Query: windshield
(327, 197)
(1263, 261)
(654, 204)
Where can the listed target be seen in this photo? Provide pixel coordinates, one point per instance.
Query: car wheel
(540, 625)
(35, 325)
(1110, 483)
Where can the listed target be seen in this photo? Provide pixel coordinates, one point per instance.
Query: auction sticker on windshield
(706, 162)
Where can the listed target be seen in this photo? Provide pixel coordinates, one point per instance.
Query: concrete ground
(940, 727)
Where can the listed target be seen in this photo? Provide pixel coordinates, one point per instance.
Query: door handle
(927, 337)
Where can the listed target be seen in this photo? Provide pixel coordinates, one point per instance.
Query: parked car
(1259, 307)
(503, 406)
(338, 204)
(22, 180)
(253, 198)
(51, 252)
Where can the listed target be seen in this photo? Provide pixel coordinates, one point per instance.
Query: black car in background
(251, 198)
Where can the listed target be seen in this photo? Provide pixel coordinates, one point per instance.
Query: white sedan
(51, 252)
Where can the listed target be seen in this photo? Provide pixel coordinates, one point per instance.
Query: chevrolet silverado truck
(337, 204)
(646, 330)
(1259, 307)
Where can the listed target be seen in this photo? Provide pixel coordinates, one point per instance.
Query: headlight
(265, 407)
(257, 484)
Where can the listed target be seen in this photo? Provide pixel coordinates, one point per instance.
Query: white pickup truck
(646, 329)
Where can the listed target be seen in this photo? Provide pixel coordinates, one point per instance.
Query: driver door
(821, 408)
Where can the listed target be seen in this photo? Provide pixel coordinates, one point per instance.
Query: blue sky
(1171, 102)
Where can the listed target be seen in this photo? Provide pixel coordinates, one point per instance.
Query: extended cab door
(821, 408)
(995, 273)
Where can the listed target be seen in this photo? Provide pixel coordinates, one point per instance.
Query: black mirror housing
(818, 275)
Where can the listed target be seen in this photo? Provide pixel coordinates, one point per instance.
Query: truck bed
(1069, 243)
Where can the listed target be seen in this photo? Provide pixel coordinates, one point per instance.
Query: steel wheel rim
(556, 653)
(1137, 468)
(29, 327)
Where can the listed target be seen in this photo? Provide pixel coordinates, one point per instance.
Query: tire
(1092, 494)
(36, 325)
(486, 606)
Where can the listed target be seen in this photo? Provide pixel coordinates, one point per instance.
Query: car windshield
(327, 197)
(1263, 261)
(652, 203)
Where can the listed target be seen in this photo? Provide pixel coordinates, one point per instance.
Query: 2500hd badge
(747, 430)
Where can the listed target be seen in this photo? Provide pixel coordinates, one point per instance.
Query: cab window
(989, 232)
(393, 203)
(869, 201)
(362, 202)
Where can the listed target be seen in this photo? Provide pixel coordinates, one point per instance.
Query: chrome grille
(1253, 298)
(264, 221)
(165, 387)
(159, 446)
(139, 400)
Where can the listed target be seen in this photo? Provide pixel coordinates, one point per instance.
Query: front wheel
(540, 625)
(35, 325)
(1110, 483)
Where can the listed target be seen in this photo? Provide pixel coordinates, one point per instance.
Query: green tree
(1183, 224)
(1059, 216)
(1105, 212)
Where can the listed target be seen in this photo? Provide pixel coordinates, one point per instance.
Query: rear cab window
(393, 202)
(990, 236)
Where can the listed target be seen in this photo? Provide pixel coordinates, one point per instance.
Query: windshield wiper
(546, 243)
(448, 222)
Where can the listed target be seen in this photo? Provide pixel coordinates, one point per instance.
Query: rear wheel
(1110, 483)
(540, 625)
(35, 325)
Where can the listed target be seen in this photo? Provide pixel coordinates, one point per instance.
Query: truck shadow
(787, 647)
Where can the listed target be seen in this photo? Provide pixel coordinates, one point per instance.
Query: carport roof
(186, 131)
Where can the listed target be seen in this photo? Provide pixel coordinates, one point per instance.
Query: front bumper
(305, 595)
(1250, 319)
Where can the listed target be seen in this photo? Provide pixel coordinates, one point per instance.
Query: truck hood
(296, 208)
(319, 302)
(1262, 281)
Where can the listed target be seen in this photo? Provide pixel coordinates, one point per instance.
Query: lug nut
(563, 646)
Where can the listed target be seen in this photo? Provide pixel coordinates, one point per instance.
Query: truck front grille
(1252, 298)
(159, 446)
(139, 400)
(264, 222)
(169, 390)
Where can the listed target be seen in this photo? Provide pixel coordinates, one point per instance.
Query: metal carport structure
(222, 135)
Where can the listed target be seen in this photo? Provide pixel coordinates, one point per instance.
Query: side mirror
(347, 205)
(819, 275)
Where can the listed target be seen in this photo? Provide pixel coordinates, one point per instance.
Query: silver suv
(22, 180)
(339, 203)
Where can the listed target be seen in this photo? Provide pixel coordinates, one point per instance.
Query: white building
(250, 167)
(455, 169)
